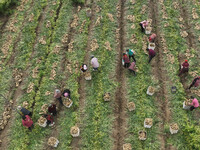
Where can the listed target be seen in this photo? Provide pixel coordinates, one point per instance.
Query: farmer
(152, 54)
(184, 67)
(27, 122)
(50, 120)
(126, 60)
(52, 109)
(195, 82)
(23, 111)
(131, 53)
(84, 68)
(194, 104)
(152, 37)
(143, 25)
(132, 67)
(57, 95)
(95, 63)
(66, 93)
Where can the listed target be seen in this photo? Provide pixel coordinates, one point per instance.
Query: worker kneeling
(132, 68)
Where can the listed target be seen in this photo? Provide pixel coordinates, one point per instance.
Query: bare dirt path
(18, 92)
(120, 122)
(76, 142)
(158, 70)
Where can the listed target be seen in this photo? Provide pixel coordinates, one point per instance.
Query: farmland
(43, 45)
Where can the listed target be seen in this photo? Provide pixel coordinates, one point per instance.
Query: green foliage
(78, 2)
(5, 4)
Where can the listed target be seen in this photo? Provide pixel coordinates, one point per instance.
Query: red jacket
(152, 37)
(126, 59)
(185, 65)
(152, 52)
(50, 118)
(27, 122)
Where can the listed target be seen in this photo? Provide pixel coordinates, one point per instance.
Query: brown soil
(158, 70)
(76, 142)
(120, 122)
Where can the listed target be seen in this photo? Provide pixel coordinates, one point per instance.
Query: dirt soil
(158, 70)
(120, 122)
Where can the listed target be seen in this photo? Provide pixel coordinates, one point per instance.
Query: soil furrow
(158, 70)
(120, 122)
(76, 142)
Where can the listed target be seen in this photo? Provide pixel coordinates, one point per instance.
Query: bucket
(68, 103)
(148, 122)
(106, 97)
(142, 135)
(127, 146)
(150, 90)
(75, 131)
(53, 142)
(173, 89)
(186, 106)
(42, 122)
(131, 106)
(88, 76)
(148, 30)
(173, 128)
(151, 46)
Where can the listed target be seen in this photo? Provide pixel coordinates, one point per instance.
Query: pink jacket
(132, 66)
(197, 83)
(152, 37)
(94, 62)
(144, 23)
(27, 122)
(195, 103)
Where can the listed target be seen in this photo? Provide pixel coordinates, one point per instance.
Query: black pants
(150, 58)
(60, 100)
(30, 128)
(132, 71)
(183, 70)
(142, 29)
(132, 57)
(192, 108)
(126, 65)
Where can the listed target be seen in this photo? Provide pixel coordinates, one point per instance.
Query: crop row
(137, 85)
(170, 29)
(98, 118)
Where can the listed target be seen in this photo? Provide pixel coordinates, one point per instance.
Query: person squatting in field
(195, 82)
(95, 63)
(125, 60)
(143, 25)
(57, 95)
(52, 109)
(131, 54)
(132, 68)
(194, 104)
(50, 120)
(66, 93)
(152, 54)
(184, 68)
(83, 68)
(27, 122)
(152, 37)
(23, 111)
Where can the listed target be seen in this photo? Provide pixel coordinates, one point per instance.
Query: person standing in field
(195, 82)
(194, 104)
(23, 111)
(57, 95)
(95, 63)
(152, 37)
(152, 54)
(143, 25)
(131, 54)
(126, 60)
(132, 68)
(184, 68)
(27, 122)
